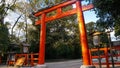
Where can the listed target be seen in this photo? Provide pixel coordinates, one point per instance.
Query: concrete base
(87, 66)
(41, 66)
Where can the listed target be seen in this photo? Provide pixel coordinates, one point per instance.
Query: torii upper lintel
(58, 9)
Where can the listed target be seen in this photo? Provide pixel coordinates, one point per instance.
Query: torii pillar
(60, 14)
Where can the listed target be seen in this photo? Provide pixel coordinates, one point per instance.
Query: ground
(65, 64)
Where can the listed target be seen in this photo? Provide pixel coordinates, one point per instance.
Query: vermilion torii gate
(59, 14)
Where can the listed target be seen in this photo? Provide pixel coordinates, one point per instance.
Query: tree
(5, 6)
(108, 12)
(4, 38)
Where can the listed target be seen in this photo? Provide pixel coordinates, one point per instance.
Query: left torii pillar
(41, 57)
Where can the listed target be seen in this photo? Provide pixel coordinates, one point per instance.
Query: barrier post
(106, 57)
(90, 56)
(32, 59)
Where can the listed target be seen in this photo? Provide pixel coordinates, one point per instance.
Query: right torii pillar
(83, 37)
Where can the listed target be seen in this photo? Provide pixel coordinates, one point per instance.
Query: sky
(90, 16)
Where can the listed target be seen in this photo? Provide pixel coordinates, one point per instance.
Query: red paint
(32, 59)
(106, 55)
(83, 35)
(60, 14)
(41, 57)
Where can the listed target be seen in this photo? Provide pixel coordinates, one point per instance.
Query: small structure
(13, 48)
(25, 47)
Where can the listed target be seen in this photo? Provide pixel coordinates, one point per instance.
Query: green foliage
(33, 38)
(5, 6)
(117, 29)
(64, 50)
(63, 39)
(109, 13)
(4, 38)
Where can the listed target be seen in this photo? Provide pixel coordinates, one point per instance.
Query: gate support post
(106, 57)
(41, 58)
(83, 36)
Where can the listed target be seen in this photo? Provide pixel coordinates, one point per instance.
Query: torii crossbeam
(60, 14)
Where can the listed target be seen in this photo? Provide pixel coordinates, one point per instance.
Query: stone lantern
(25, 47)
(96, 42)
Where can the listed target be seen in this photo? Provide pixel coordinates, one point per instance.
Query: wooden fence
(104, 53)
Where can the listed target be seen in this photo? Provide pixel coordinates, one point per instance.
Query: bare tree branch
(15, 24)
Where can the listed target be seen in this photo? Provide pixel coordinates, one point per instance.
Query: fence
(105, 56)
(30, 59)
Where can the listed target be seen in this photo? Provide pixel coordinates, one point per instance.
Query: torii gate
(59, 14)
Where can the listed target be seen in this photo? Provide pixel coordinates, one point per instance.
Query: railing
(104, 53)
(30, 59)
(34, 59)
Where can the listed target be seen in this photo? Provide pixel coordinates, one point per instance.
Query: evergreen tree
(108, 12)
